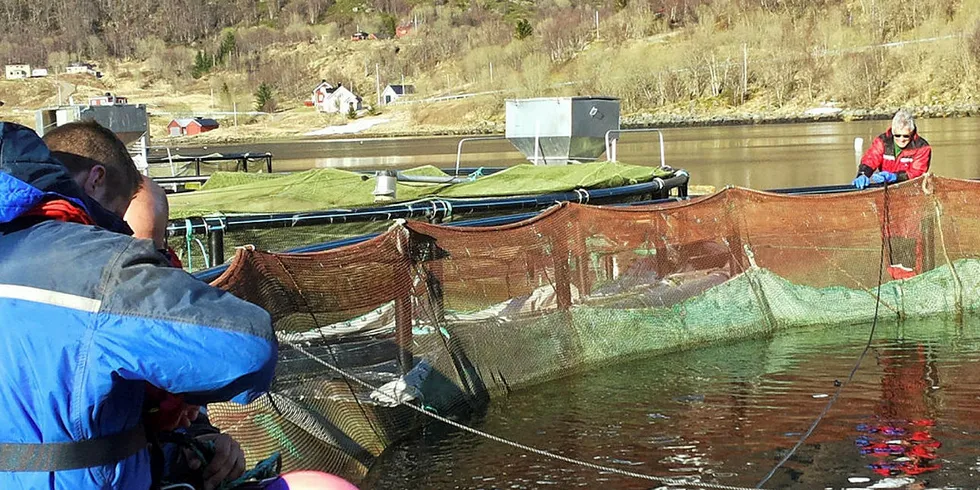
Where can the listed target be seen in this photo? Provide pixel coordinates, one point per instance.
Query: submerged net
(473, 314)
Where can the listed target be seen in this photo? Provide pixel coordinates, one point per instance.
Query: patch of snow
(822, 111)
(350, 128)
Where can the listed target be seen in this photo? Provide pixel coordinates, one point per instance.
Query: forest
(706, 56)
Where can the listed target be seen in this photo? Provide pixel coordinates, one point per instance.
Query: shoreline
(636, 121)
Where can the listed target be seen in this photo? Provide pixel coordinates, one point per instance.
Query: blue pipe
(825, 189)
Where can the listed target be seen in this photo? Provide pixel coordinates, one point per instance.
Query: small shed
(14, 72)
(39, 72)
(392, 93)
(363, 36)
(191, 126)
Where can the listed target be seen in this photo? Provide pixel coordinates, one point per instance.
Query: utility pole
(491, 73)
(377, 83)
(234, 108)
(745, 70)
(597, 24)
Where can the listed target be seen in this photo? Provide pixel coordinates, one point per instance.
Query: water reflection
(726, 414)
(898, 441)
(762, 157)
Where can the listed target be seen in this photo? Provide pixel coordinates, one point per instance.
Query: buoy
(311, 480)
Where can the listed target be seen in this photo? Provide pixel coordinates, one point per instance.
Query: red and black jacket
(912, 162)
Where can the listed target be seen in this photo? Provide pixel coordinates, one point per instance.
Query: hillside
(669, 61)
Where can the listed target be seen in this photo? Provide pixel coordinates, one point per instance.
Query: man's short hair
(903, 120)
(85, 144)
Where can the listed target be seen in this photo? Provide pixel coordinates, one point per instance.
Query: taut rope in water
(857, 365)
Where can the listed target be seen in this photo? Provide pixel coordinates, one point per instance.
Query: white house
(392, 93)
(335, 99)
(82, 68)
(14, 72)
(107, 99)
(75, 68)
(321, 92)
(39, 72)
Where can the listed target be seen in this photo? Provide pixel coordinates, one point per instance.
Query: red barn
(190, 126)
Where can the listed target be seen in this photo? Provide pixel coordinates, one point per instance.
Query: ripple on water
(723, 414)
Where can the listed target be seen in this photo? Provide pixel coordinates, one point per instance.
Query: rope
(517, 445)
(204, 252)
(189, 236)
(449, 209)
(857, 365)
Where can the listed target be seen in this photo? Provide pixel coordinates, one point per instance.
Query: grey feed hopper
(559, 130)
(130, 122)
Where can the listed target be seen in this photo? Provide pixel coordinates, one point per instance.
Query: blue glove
(883, 177)
(861, 181)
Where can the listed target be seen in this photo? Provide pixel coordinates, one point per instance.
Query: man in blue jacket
(88, 315)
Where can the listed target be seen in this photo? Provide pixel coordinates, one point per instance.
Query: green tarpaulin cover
(327, 188)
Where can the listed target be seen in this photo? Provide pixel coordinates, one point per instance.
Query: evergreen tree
(523, 29)
(227, 46)
(265, 100)
(389, 24)
(202, 65)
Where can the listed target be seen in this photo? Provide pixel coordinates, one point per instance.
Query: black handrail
(433, 208)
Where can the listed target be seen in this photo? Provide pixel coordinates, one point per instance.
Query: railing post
(403, 328)
(858, 149)
(403, 306)
(216, 244)
(611, 143)
(459, 147)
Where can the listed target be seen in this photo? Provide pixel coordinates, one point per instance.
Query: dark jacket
(88, 315)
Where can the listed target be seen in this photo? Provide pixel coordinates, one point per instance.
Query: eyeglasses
(903, 136)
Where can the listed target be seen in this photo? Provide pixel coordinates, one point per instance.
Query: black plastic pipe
(434, 208)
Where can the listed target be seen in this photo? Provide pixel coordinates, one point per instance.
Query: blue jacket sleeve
(162, 325)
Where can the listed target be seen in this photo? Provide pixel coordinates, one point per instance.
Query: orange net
(448, 318)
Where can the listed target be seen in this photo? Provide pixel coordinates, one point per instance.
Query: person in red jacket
(896, 155)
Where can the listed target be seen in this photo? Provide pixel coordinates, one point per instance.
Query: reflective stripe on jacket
(88, 315)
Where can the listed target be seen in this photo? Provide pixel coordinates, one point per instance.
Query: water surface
(759, 156)
(725, 414)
